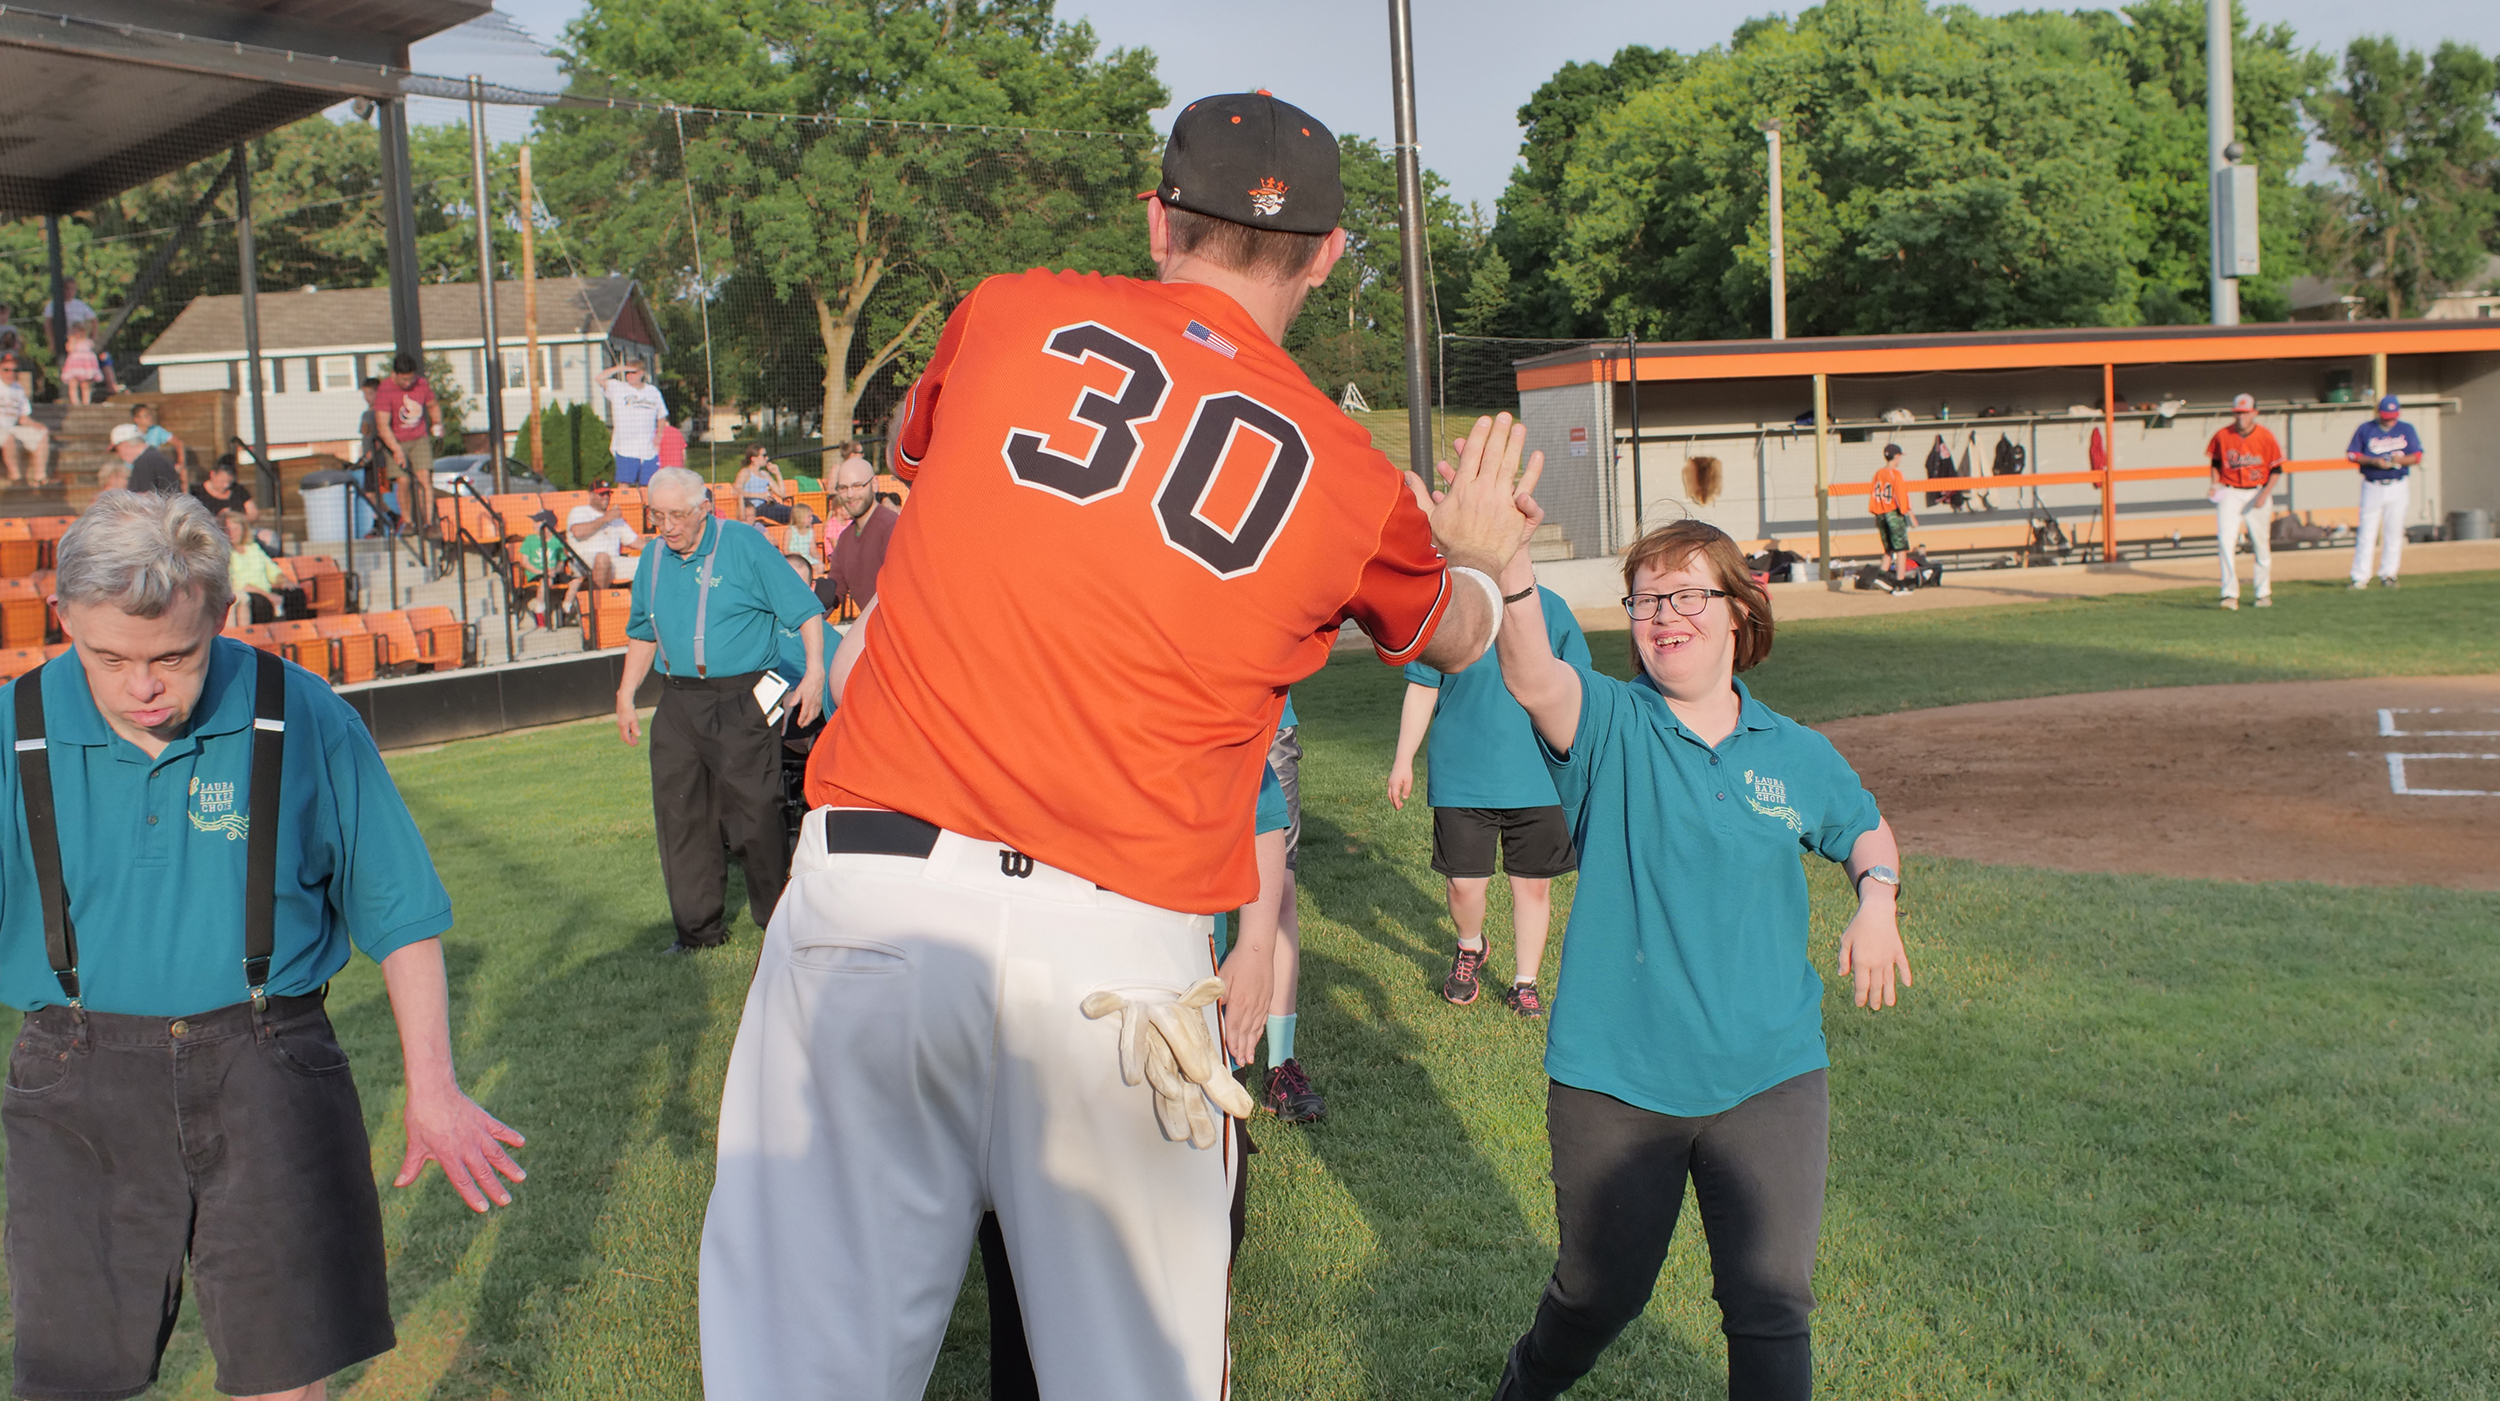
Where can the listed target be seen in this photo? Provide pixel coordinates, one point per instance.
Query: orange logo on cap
(1268, 197)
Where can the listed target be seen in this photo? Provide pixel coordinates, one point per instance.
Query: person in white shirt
(20, 436)
(635, 412)
(599, 535)
(76, 311)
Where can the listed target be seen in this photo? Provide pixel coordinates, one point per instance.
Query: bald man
(855, 542)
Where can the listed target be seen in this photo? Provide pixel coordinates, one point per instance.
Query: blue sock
(1280, 1039)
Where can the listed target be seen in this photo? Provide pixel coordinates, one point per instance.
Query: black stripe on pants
(715, 782)
(1757, 1171)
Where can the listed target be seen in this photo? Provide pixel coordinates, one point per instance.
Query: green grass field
(2127, 1136)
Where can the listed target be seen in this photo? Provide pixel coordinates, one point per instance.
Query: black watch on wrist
(1884, 875)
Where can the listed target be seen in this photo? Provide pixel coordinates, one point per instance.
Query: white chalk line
(2397, 785)
(2387, 724)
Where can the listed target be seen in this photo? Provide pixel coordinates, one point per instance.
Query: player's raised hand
(1476, 520)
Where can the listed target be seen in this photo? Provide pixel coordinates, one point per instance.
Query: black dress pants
(716, 791)
(1619, 1171)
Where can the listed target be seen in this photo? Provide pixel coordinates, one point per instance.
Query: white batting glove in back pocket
(1165, 1045)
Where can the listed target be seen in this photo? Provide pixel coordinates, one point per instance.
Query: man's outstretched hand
(1476, 517)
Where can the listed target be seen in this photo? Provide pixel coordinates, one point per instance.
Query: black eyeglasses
(1687, 602)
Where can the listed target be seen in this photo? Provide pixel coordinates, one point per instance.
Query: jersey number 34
(1180, 498)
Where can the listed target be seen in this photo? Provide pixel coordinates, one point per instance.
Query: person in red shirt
(987, 986)
(410, 417)
(2245, 460)
(1888, 500)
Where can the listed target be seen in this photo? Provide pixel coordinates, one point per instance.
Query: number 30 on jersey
(1180, 497)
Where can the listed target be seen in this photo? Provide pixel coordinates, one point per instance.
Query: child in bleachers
(81, 371)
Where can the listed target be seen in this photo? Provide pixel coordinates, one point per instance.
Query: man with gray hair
(192, 835)
(710, 609)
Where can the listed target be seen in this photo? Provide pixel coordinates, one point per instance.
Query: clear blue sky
(1475, 61)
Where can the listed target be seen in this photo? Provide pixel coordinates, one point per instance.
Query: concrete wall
(2469, 465)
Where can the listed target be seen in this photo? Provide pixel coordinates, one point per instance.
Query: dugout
(1617, 423)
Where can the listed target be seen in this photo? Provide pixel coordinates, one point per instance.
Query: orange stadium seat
(442, 640)
(603, 623)
(324, 586)
(812, 500)
(462, 520)
(48, 531)
(22, 621)
(301, 642)
(394, 642)
(352, 646)
(724, 501)
(17, 661)
(518, 510)
(257, 634)
(629, 503)
(21, 554)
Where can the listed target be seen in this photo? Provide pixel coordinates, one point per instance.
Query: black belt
(743, 681)
(876, 832)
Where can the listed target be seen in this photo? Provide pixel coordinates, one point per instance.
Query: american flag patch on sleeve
(1209, 339)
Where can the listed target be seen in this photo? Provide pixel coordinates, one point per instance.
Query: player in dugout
(988, 985)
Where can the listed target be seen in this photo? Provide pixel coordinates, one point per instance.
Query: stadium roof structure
(1601, 362)
(97, 96)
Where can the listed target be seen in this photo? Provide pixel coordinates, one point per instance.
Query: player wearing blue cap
(2386, 450)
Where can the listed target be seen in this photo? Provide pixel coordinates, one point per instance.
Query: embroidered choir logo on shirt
(212, 810)
(1770, 798)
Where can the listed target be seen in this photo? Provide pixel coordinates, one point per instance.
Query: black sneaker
(1460, 986)
(1290, 1097)
(1522, 998)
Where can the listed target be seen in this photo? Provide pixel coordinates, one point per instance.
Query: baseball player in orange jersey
(987, 985)
(2245, 459)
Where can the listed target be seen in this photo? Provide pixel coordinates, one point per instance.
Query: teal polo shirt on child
(755, 595)
(1482, 752)
(152, 850)
(1685, 987)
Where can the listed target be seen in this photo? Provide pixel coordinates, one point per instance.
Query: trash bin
(332, 509)
(2469, 525)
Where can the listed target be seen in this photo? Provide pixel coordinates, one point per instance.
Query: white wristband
(1492, 596)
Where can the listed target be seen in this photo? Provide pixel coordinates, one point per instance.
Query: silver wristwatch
(1886, 874)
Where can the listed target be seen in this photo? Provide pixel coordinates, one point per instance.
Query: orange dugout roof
(1601, 362)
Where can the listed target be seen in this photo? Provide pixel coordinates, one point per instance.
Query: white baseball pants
(2254, 505)
(912, 1054)
(2382, 518)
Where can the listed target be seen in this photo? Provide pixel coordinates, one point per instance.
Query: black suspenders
(260, 856)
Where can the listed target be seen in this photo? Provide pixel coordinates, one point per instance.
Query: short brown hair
(1675, 546)
(1273, 254)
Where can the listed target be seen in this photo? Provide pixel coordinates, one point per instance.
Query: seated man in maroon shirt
(855, 541)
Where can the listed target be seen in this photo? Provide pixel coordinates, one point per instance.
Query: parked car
(478, 470)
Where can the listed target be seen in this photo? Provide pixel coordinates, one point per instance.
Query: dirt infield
(2372, 782)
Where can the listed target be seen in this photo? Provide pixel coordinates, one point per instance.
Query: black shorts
(233, 1139)
(1284, 755)
(1535, 843)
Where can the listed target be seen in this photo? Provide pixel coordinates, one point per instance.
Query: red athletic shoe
(1522, 998)
(1290, 1096)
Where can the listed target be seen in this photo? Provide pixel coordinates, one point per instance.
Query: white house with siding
(318, 347)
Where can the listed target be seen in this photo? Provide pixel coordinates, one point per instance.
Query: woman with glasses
(1686, 1038)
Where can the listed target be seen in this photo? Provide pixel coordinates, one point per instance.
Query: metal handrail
(502, 557)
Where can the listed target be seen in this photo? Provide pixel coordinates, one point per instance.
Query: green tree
(2418, 206)
(850, 241)
(1353, 328)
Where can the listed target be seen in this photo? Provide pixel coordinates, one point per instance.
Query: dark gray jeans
(1619, 1171)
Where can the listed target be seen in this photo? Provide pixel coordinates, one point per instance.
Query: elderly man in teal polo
(192, 836)
(711, 602)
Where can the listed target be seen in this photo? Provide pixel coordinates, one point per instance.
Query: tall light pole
(1779, 241)
(491, 362)
(2218, 143)
(1410, 234)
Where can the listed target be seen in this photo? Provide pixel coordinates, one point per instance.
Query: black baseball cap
(1250, 159)
(1892, 449)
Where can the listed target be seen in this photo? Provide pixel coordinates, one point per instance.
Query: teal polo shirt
(152, 850)
(755, 595)
(790, 659)
(1685, 986)
(1482, 752)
